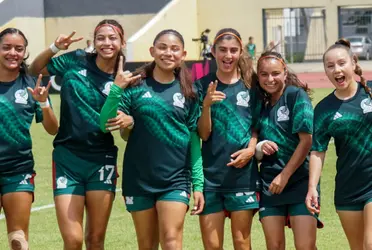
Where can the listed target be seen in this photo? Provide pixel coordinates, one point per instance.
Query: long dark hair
(182, 73)
(23, 68)
(344, 44)
(119, 29)
(245, 65)
(291, 79)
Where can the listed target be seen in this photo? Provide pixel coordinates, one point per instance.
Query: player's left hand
(198, 203)
(278, 184)
(120, 121)
(240, 158)
(124, 78)
(39, 93)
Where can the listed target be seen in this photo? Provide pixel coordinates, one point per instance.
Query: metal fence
(355, 21)
(299, 34)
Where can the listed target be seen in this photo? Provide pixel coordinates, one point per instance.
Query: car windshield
(355, 39)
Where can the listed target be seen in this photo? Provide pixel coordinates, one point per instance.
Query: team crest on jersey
(61, 182)
(283, 114)
(106, 89)
(179, 100)
(21, 96)
(242, 99)
(366, 105)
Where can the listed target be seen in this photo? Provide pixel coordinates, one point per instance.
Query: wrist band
(45, 104)
(259, 154)
(54, 48)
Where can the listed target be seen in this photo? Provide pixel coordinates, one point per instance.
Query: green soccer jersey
(17, 109)
(349, 122)
(231, 131)
(83, 92)
(281, 123)
(156, 157)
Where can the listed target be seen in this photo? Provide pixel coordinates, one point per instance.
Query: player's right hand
(63, 42)
(124, 78)
(213, 96)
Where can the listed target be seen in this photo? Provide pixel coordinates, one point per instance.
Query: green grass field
(44, 233)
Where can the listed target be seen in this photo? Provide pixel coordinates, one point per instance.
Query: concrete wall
(246, 15)
(180, 15)
(43, 20)
(29, 18)
(190, 17)
(84, 26)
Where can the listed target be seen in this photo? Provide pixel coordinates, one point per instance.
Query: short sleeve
(255, 105)
(303, 113)
(60, 64)
(321, 135)
(195, 109)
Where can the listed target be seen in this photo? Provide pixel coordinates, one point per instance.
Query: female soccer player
(17, 109)
(84, 158)
(285, 135)
(231, 174)
(156, 179)
(345, 115)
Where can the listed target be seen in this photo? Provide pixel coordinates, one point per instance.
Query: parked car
(361, 46)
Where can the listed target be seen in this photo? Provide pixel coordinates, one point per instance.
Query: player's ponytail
(345, 44)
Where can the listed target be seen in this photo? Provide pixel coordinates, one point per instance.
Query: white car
(361, 46)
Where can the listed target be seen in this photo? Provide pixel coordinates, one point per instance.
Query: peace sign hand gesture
(124, 78)
(63, 42)
(40, 93)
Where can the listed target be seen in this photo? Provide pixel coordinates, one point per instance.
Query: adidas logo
(147, 95)
(337, 115)
(83, 72)
(24, 181)
(183, 193)
(250, 200)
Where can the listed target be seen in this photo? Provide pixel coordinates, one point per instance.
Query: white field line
(35, 209)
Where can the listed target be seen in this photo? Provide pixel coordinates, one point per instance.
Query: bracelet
(45, 104)
(54, 48)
